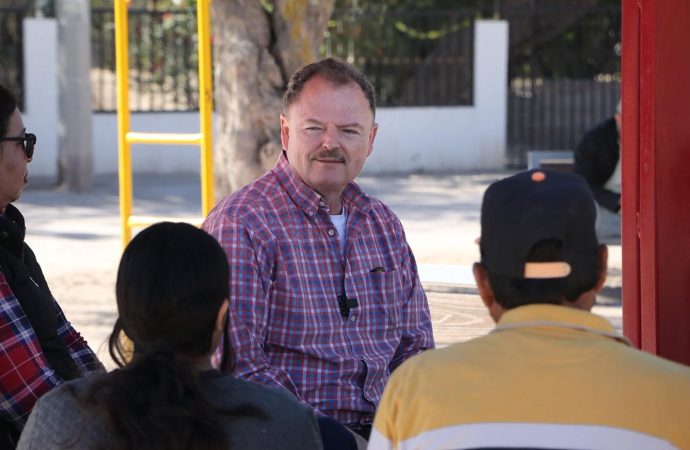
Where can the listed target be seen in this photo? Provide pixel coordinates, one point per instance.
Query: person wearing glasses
(39, 349)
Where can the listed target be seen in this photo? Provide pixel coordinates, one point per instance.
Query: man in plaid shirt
(325, 297)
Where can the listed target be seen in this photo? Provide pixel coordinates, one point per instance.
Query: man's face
(328, 133)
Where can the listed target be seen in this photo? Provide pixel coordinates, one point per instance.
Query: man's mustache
(330, 155)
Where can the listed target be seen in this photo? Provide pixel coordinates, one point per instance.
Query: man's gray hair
(334, 70)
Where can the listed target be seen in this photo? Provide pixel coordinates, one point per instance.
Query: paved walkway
(77, 240)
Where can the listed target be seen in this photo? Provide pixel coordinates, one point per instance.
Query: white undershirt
(339, 222)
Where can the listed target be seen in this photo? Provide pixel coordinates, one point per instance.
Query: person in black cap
(551, 374)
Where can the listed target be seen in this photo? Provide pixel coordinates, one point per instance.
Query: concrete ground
(77, 240)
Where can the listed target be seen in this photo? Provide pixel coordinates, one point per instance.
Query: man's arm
(24, 371)
(417, 333)
(249, 305)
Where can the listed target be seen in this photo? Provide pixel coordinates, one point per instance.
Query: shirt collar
(540, 315)
(307, 199)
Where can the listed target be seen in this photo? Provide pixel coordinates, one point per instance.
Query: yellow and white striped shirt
(546, 377)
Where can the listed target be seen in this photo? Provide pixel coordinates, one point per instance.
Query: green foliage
(586, 48)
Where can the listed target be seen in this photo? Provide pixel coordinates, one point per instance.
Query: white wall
(41, 94)
(147, 158)
(428, 139)
(451, 139)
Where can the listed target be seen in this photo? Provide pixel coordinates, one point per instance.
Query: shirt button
(352, 318)
(322, 204)
(311, 213)
(331, 232)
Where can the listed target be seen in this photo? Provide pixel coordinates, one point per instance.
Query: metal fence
(419, 59)
(564, 62)
(412, 59)
(162, 58)
(12, 51)
(564, 74)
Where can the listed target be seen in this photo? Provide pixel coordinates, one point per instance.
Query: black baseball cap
(531, 206)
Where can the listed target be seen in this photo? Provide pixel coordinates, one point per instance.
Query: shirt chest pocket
(380, 294)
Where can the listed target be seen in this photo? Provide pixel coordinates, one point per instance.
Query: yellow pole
(123, 122)
(205, 104)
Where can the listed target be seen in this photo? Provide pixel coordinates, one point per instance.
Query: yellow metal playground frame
(126, 137)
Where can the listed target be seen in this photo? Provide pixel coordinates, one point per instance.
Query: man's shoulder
(260, 195)
(378, 205)
(652, 367)
(603, 133)
(377, 208)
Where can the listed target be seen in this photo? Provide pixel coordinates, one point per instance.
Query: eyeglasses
(28, 143)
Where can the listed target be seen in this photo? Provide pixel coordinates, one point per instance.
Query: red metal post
(630, 67)
(656, 140)
(673, 178)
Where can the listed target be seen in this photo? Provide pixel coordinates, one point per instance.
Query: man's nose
(330, 138)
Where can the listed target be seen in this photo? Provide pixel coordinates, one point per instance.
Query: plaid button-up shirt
(286, 273)
(24, 371)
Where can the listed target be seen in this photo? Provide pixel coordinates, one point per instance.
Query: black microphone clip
(346, 304)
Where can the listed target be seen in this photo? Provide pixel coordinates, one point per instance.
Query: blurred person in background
(598, 160)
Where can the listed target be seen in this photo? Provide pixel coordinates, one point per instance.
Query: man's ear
(603, 267)
(372, 136)
(284, 131)
(481, 276)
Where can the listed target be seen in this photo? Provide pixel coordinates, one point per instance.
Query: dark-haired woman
(39, 349)
(171, 292)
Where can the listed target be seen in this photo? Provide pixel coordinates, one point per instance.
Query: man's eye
(350, 131)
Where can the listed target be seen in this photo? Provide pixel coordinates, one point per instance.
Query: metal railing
(564, 75)
(419, 59)
(127, 137)
(163, 60)
(423, 58)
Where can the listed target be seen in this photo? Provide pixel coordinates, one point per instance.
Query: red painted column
(656, 176)
(630, 68)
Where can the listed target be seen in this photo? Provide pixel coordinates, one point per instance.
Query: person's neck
(336, 211)
(584, 303)
(335, 203)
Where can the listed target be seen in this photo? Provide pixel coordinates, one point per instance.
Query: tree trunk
(256, 49)
(75, 161)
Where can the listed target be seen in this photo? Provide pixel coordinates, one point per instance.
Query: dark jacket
(596, 157)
